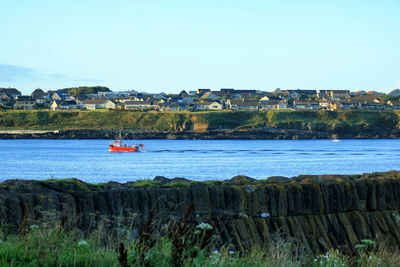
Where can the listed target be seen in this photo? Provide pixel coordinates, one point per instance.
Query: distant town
(97, 97)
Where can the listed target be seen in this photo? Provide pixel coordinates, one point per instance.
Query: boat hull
(123, 149)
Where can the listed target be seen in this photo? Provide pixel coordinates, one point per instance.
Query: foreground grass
(54, 247)
(47, 245)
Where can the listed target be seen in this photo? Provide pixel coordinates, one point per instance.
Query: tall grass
(50, 246)
(55, 241)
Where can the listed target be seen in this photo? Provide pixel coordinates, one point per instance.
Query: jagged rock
(161, 179)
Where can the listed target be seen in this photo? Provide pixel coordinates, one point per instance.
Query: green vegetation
(301, 119)
(66, 182)
(170, 183)
(144, 183)
(181, 121)
(48, 244)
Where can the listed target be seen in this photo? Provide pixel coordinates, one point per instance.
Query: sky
(169, 46)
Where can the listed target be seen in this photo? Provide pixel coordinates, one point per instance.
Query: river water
(90, 161)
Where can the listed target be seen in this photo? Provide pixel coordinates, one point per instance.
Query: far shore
(244, 134)
(240, 125)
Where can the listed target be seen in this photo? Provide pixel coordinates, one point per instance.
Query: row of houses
(88, 104)
(238, 104)
(202, 99)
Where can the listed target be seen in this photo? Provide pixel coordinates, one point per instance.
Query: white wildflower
(82, 243)
(34, 226)
(204, 226)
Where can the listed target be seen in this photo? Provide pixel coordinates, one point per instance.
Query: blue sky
(173, 45)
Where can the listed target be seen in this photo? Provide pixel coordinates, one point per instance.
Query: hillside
(347, 124)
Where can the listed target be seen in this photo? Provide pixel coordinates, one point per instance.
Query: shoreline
(244, 134)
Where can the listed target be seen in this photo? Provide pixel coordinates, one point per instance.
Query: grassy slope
(177, 121)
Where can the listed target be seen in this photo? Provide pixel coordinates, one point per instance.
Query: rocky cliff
(316, 212)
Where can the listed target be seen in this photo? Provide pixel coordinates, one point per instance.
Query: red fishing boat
(118, 146)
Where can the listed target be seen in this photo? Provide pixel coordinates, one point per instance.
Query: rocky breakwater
(315, 212)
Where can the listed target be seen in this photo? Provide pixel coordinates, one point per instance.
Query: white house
(208, 106)
(59, 104)
(100, 104)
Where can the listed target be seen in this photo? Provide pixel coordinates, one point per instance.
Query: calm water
(89, 160)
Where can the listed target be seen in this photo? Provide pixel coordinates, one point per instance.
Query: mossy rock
(242, 179)
(278, 179)
(162, 179)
